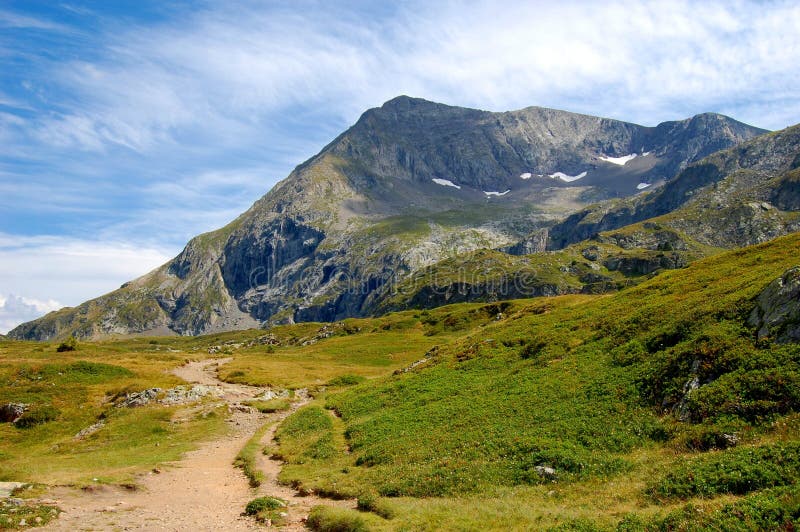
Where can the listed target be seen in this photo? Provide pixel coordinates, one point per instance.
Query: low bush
(37, 416)
(736, 471)
(330, 519)
(266, 509)
(773, 509)
(346, 380)
(70, 344)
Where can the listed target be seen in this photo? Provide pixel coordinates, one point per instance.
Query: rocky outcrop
(777, 312)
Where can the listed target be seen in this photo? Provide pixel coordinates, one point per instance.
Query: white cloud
(221, 75)
(49, 269)
(15, 310)
(164, 131)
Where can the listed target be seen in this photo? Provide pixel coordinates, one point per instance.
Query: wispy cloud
(146, 132)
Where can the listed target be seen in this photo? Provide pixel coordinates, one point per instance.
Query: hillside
(628, 411)
(670, 405)
(411, 183)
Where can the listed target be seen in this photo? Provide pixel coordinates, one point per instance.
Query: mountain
(737, 197)
(410, 184)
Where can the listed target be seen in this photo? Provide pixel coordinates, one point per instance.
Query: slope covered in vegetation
(588, 412)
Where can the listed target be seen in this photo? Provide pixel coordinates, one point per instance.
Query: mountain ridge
(371, 208)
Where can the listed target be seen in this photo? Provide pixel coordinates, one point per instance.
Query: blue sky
(128, 127)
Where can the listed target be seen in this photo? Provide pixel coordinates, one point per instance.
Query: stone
(10, 412)
(546, 472)
(777, 312)
(6, 488)
(88, 431)
(142, 398)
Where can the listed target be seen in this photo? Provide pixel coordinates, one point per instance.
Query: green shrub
(271, 406)
(267, 509)
(263, 504)
(346, 380)
(37, 416)
(70, 344)
(330, 519)
(369, 502)
(737, 471)
(773, 509)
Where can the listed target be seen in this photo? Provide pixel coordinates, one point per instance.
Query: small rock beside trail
(142, 398)
(6, 488)
(188, 394)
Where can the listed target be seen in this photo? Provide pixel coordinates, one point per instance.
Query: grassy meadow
(565, 413)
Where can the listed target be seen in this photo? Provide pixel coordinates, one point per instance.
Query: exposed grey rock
(10, 412)
(546, 472)
(270, 394)
(723, 200)
(7, 488)
(91, 429)
(142, 398)
(777, 311)
(189, 394)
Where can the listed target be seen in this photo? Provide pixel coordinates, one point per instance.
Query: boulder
(777, 311)
(10, 412)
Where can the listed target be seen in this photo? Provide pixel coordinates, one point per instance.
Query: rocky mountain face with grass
(411, 184)
(737, 197)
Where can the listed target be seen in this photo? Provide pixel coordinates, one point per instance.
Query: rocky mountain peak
(413, 182)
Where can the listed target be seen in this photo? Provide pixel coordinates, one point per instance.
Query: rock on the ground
(91, 429)
(777, 311)
(142, 398)
(10, 412)
(188, 394)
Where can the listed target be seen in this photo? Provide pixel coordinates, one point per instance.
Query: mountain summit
(411, 183)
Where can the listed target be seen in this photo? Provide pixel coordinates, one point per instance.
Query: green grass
(588, 386)
(329, 519)
(246, 459)
(26, 515)
(451, 418)
(69, 391)
(271, 406)
(266, 509)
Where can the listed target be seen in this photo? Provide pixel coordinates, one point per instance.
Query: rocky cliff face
(777, 312)
(410, 184)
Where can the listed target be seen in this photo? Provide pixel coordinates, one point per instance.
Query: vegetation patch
(26, 514)
(270, 406)
(267, 510)
(736, 471)
(330, 519)
(246, 459)
(37, 416)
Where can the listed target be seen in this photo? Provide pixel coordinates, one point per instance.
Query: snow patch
(568, 178)
(445, 183)
(526, 175)
(642, 186)
(621, 161)
(497, 193)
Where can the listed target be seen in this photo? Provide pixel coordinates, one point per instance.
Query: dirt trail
(203, 491)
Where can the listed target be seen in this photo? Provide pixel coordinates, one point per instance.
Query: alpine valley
(448, 319)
